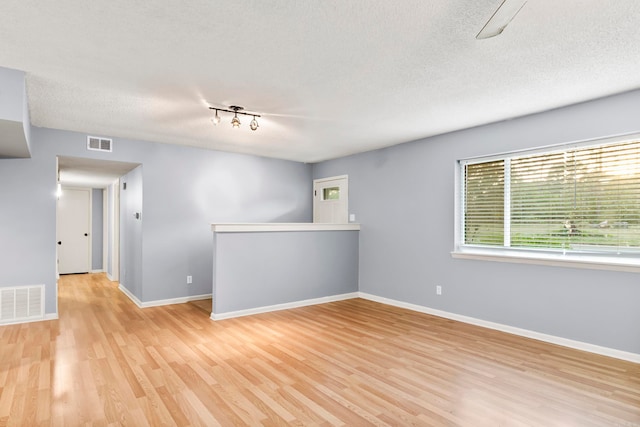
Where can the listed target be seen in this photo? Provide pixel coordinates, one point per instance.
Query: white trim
(110, 277)
(331, 178)
(282, 226)
(170, 301)
(131, 296)
(105, 228)
(578, 345)
(459, 192)
(284, 306)
(556, 260)
(97, 271)
(157, 303)
(90, 230)
(50, 316)
(57, 296)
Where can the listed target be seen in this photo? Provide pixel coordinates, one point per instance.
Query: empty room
(354, 213)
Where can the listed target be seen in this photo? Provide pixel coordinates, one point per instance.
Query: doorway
(92, 175)
(331, 200)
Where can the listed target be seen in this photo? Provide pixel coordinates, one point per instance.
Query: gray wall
(254, 270)
(97, 213)
(404, 198)
(14, 114)
(28, 224)
(185, 189)
(12, 90)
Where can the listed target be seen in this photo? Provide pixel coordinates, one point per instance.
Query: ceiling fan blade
(501, 18)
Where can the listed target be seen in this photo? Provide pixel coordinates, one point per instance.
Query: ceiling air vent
(99, 144)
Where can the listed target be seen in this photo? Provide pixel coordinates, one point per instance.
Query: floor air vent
(21, 304)
(99, 144)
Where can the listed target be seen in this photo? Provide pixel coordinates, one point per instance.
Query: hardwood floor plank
(205, 416)
(277, 413)
(177, 415)
(106, 362)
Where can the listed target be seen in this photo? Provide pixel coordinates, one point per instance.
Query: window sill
(544, 258)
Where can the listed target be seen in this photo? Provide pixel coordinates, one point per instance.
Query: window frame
(543, 256)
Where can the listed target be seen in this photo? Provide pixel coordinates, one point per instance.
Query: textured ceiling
(330, 78)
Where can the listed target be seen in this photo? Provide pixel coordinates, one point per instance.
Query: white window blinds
(484, 203)
(581, 199)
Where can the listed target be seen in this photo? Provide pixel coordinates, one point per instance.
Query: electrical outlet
(189, 280)
(438, 290)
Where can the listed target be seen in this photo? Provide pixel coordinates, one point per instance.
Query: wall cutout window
(582, 199)
(331, 193)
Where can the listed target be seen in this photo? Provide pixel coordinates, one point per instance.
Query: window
(577, 200)
(331, 193)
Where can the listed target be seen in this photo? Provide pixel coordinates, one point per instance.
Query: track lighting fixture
(216, 119)
(254, 124)
(235, 121)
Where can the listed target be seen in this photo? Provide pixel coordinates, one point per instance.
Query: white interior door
(74, 225)
(331, 200)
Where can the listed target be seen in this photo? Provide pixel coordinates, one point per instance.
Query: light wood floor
(354, 363)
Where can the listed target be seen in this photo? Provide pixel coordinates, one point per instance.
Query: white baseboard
(578, 345)
(565, 342)
(96, 271)
(285, 306)
(170, 301)
(50, 316)
(131, 296)
(158, 303)
(110, 277)
(47, 316)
